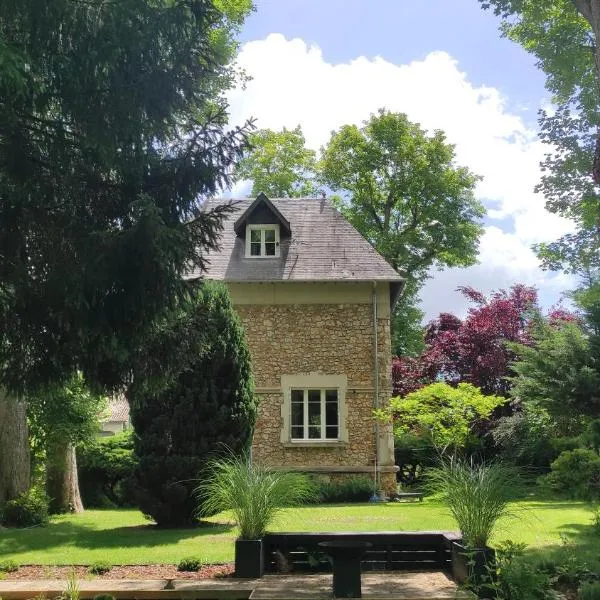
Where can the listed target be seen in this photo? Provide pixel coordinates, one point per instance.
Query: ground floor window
(314, 409)
(315, 414)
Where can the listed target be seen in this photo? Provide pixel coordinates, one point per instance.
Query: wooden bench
(296, 552)
(409, 496)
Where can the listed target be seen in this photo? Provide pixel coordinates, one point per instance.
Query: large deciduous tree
(112, 130)
(279, 164)
(14, 447)
(401, 188)
(564, 36)
(61, 418)
(473, 350)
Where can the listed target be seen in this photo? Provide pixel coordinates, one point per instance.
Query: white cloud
(292, 84)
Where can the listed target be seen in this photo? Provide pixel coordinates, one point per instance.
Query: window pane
(297, 414)
(331, 414)
(331, 432)
(297, 433)
(255, 249)
(314, 433)
(314, 396)
(270, 235)
(255, 235)
(269, 249)
(314, 414)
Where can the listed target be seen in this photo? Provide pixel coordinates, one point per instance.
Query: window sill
(315, 444)
(262, 257)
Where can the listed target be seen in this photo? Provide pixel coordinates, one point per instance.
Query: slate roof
(323, 247)
(117, 410)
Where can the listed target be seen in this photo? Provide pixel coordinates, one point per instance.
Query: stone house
(315, 299)
(116, 416)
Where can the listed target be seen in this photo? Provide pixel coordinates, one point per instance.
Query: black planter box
(473, 565)
(249, 559)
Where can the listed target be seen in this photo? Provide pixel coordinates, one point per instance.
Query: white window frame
(313, 382)
(262, 229)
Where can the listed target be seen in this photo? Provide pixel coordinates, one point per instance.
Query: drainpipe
(376, 389)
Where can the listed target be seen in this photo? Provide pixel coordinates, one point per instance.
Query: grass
(125, 537)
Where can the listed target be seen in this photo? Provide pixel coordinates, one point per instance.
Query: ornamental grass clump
(477, 495)
(252, 492)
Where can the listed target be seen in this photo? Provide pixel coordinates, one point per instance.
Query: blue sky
(403, 30)
(324, 63)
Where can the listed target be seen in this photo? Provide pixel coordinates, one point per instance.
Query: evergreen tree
(206, 405)
(112, 131)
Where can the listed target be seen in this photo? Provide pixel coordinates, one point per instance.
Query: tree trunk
(590, 11)
(14, 447)
(62, 483)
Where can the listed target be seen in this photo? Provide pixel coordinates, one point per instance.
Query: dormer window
(262, 241)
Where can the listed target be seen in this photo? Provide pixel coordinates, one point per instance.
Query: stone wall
(331, 339)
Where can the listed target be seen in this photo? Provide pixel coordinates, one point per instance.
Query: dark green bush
(106, 467)
(351, 489)
(104, 597)
(8, 566)
(190, 563)
(100, 567)
(28, 510)
(576, 474)
(191, 396)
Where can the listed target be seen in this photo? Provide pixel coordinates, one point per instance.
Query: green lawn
(125, 537)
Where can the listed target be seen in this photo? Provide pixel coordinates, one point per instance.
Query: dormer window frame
(262, 227)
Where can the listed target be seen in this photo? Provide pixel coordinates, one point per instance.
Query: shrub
(207, 402)
(99, 568)
(477, 495)
(527, 438)
(351, 489)
(589, 591)
(519, 580)
(8, 566)
(575, 473)
(413, 454)
(106, 467)
(191, 563)
(104, 597)
(30, 509)
(443, 413)
(253, 493)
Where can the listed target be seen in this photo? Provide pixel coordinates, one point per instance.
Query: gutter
(376, 389)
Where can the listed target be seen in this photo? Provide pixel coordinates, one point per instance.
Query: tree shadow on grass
(580, 543)
(71, 533)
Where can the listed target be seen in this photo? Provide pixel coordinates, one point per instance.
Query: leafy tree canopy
(69, 412)
(472, 350)
(403, 191)
(562, 35)
(112, 130)
(560, 373)
(441, 413)
(279, 164)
